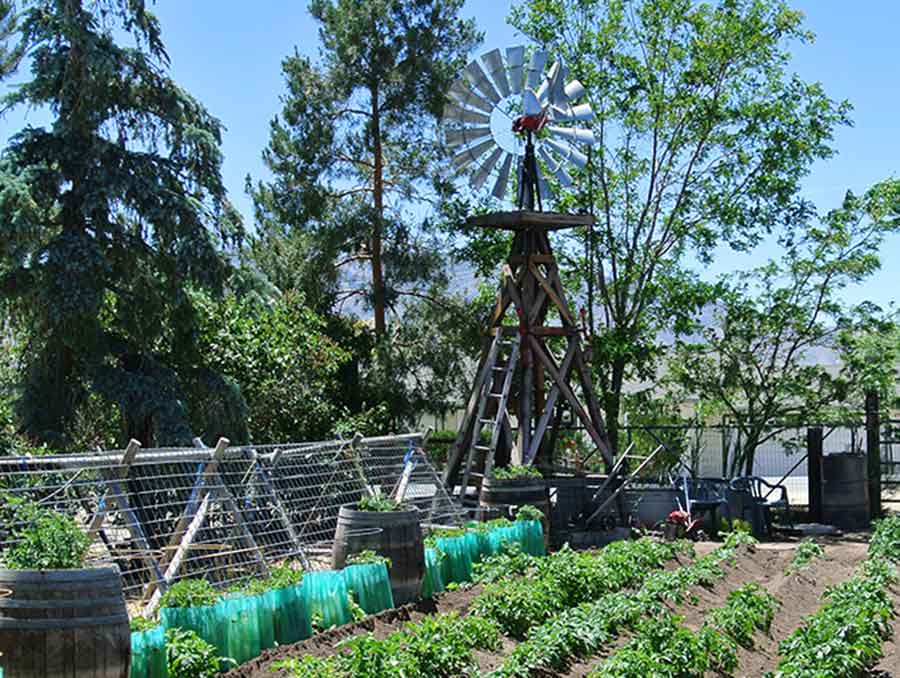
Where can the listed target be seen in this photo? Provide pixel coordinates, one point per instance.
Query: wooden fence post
(814, 447)
(873, 451)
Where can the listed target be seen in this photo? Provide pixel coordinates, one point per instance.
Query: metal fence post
(873, 451)
(814, 447)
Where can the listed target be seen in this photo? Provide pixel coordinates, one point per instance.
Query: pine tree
(109, 216)
(354, 152)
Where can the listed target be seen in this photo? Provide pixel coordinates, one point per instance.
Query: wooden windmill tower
(532, 365)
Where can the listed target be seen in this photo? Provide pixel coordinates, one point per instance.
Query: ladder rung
(499, 369)
(495, 395)
(486, 421)
(482, 448)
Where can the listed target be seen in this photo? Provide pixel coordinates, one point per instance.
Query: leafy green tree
(757, 360)
(290, 372)
(354, 153)
(107, 217)
(869, 349)
(703, 136)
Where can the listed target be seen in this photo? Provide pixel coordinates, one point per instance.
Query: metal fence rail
(225, 514)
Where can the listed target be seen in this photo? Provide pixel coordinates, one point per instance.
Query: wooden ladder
(643, 462)
(497, 364)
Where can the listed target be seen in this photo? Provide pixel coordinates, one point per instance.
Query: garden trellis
(225, 513)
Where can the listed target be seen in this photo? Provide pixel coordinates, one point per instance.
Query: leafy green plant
(280, 577)
(806, 552)
(44, 539)
(378, 503)
(515, 473)
(510, 561)
(190, 593)
(137, 624)
(367, 557)
(529, 512)
(749, 608)
(662, 647)
(189, 656)
(844, 637)
(885, 540)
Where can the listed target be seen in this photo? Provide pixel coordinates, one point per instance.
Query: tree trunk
(613, 401)
(378, 194)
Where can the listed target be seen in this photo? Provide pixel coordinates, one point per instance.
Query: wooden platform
(522, 220)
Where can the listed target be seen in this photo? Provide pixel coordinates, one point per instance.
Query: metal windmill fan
(502, 110)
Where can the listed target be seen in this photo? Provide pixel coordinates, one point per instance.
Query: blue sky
(228, 55)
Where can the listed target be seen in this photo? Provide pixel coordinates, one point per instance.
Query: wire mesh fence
(225, 513)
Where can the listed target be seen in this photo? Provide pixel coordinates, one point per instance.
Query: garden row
(507, 605)
(842, 639)
(200, 630)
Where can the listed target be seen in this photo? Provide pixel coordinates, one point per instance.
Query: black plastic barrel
(396, 535)
(845, 491)
(63, 623)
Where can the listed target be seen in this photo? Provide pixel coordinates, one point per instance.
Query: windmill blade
(457, 114)
(468, 98)
(466, 135)
(478, 179)
(579, 113)
(564, 179)
(536, 68)
(543, 92)
(543, 187)
(568, 152)
(499, 190)
(515, 62)
(580, 135)
(574, 90)
(480, 81)
(531, 105)
(497, 70)
(471, 154)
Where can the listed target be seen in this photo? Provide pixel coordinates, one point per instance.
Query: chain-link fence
(224, 513)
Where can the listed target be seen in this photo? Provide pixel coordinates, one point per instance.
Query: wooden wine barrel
(396, 535)
(64, 623)
(845, 491)
(508, 495)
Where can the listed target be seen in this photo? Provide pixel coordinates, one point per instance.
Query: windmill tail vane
(502, 109)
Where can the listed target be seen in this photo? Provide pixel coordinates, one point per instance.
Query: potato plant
(662, 647)
(567, 579)
(843, 638)
(583, 630)
(439, 646)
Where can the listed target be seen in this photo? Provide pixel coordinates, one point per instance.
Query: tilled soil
(799, 594)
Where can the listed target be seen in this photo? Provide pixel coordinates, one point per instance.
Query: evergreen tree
(108, 216)
(354, 153)
(11, 49)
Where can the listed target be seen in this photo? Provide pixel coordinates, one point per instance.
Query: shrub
(189, 656)
(48, 540)
(190, 593)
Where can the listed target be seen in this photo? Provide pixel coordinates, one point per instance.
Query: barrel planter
(508, 495)
(64, 623)
(396, 535)
(652, 505)
(845, 491)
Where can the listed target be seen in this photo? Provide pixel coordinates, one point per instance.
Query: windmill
(502, 113)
